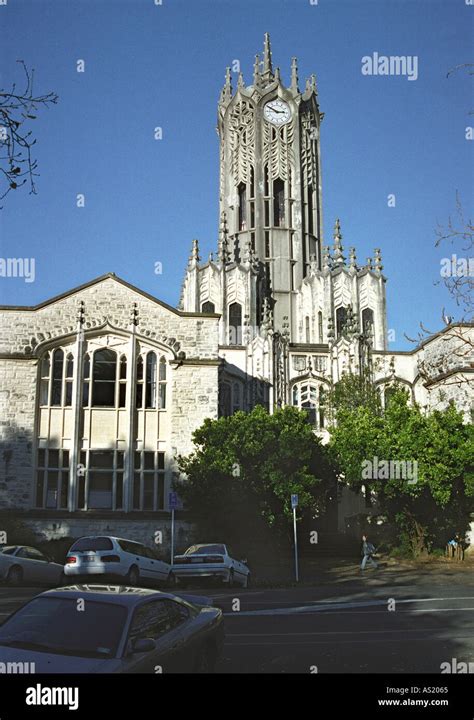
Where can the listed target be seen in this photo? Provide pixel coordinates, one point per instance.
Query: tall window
(139, 390)
(52, 479)
(58, 361)
(56, 378)
(320, 327)
(86, 381)
(242, 191)
(279, 203)
(307, 329)
(151, 369)
(235, 324)
(68, 380)
(100, 487)
(123, 382)
(44, 383)
(208, 307)
(162, 385)
(341, 320)
(149, 481)
(104, 374)
(151, 382)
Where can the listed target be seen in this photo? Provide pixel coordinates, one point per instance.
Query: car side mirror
(143, 645)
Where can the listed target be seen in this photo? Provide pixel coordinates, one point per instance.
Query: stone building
(102, 386)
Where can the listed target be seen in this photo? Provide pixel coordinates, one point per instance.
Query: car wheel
(206, 661)
(133, 577)
(246, 581)
(15, 575)
(230, 582)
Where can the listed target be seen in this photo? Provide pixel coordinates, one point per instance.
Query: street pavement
(396, 619)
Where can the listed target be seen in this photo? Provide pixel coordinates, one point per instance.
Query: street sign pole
(294, 505)
(296, 546)
(173, 502)
(172, 536)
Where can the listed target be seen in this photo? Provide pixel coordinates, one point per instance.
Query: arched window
(341, 320)
(86, 381)
(208, 307)
(44, 382)
(278, 203)
(123, 382)
(151, 368)
(68, 380)
(242, 191)
(104, 374)
(235, 324)
(58, 363)
(307, 329)
(139, 388)
(309, 401)
(311, 398)
(320, 327)
(162, 384)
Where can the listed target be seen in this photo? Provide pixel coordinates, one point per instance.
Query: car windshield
(205, 550)
(92, 543)
(56, 625)
(8, 550)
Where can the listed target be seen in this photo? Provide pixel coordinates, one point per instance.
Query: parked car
(121, 630)
(24, 564)
(213, 560)
(115, 557)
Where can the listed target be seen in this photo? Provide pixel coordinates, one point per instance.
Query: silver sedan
(22, 564)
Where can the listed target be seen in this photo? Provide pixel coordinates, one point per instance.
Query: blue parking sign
(294, 501)
(173, 501)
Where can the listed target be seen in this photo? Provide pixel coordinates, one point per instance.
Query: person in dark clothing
(367, 551)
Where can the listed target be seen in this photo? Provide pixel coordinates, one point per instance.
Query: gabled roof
(95, 281)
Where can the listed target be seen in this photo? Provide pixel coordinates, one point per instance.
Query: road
(375, 623)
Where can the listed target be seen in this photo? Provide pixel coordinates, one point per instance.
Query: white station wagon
(213, 560)
(112, 556)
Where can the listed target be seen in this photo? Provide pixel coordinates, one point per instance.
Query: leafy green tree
(245, 467)
(426, 506)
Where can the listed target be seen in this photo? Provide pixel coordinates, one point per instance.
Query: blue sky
(148, 65)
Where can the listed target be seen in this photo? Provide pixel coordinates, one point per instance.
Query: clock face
(277, 112)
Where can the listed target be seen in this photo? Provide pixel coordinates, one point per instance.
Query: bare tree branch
(17, 107)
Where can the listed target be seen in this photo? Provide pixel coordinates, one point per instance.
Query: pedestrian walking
(367, 551)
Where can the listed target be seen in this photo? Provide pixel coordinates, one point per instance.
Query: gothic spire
(240, 81)
(267, 60)
(314, 87)
(294, 75)
(352, 258)
(194, 257)
(223, 249)
(337, 255)
(378, 260)
(227, 92)
(256, 71)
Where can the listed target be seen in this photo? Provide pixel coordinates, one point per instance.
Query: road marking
(334, 605)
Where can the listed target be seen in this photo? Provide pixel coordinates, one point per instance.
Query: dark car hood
(39, 662)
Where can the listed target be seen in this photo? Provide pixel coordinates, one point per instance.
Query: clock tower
(270, 180)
